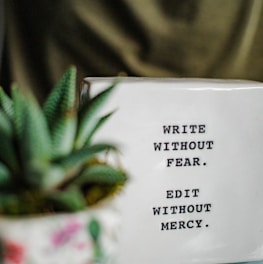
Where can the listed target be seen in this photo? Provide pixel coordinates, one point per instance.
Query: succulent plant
(48, 162)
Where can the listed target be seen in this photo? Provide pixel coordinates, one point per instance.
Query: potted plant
(52, 175)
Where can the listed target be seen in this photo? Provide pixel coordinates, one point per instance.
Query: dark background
(154, 38)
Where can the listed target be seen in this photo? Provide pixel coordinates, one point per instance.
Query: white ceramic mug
(194, 152)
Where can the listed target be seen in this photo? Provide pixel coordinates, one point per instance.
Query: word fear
(183, 162)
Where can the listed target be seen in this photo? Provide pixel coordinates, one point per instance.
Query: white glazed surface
(229, 177)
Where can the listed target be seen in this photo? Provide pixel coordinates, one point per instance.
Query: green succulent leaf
(5, 124)
(7, 153)
(36, 142)
(79, 157)
(54, 175)
(97, 124)
(60, 112)
(101, 174)
(88, 115)
(43, 176)
(6, 104)
(68, 200)
(63, 135)
(47, 160)
(20, 105)
(5, 179)
(62, 98)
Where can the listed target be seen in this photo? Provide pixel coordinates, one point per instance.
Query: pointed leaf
(36, 142)
(102, 174)
(60, 112)
(5, 124)
(54, 175)
(43, 176)
(80, 157)
(6, 103)
(69, 200)
(63, 135)
(62, 98)
(20, 106)
(87, 114)
(7, 153)
(96, 125)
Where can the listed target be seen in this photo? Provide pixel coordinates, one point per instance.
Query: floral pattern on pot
(83, 238)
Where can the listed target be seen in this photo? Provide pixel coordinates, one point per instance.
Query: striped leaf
(20, 105)
(6, 103)
(36, 142)
(78, 158)
(7, 153)
(95, 126)
(5, 124)
(43, 176)
(62, 97)
(46, 155)
(60, 112)
(63, 134)
(87, 115)
(101, 174)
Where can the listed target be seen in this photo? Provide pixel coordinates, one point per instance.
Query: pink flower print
(14, 252)
(81, 246)
(65, 234)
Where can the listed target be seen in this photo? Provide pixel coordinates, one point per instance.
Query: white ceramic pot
(194, 152)
(60, 239)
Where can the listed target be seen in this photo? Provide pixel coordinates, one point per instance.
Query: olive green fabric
(157, 38)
